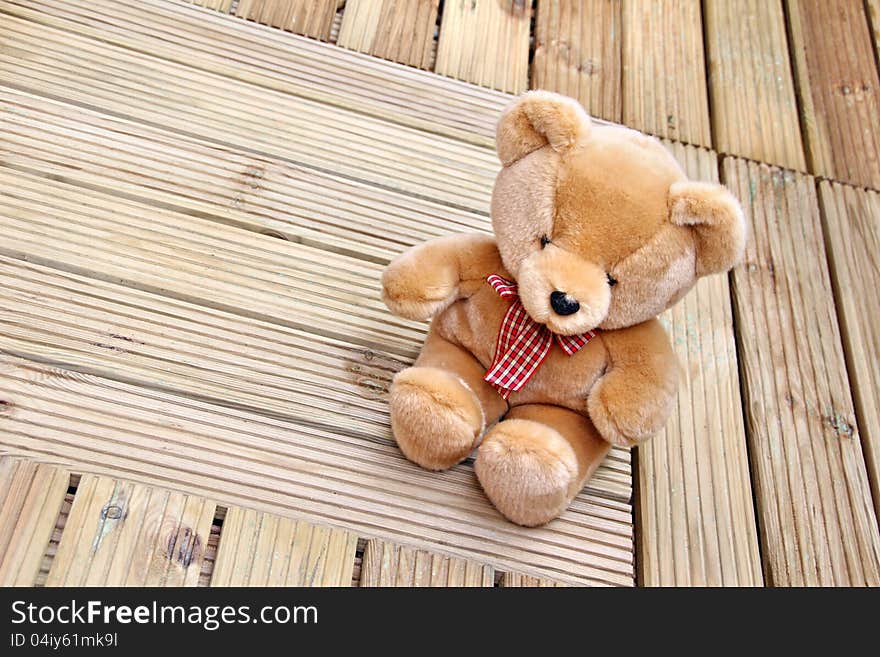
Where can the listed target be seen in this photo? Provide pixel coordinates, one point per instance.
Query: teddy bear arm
(633, 399)
(429, 277)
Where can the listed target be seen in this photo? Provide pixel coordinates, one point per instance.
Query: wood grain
(309, 17)
(851, 219)
(518, 580)
(219, 5)
(399, 30)
(31, 496)
(754, 108)
(261, 194)
(838, 83)
(261, 549)
(694, 506)
(194, 259)
(385, 564)
(817, 521)
(124, 534)
(578, 53)
(486, 42)
(664, 76)
(239, 458)
(284, 62)
(195, 103)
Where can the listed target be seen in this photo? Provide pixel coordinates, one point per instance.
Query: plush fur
(604, 214)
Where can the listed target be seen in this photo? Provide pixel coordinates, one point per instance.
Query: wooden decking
(196, 203)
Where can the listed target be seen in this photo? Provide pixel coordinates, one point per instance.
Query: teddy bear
(544, 348)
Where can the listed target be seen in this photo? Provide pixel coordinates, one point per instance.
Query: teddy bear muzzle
(563, 291)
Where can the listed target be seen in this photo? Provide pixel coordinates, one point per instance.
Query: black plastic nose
(563, 304)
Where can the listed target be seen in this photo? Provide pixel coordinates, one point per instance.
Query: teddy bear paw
(436, 418)
(621, 425)
(528, 471)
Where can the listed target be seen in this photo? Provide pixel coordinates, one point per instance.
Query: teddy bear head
(598, 223)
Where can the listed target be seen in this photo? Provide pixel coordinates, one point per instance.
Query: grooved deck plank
(399, 30)
(386, 564)
(261, 549)
(814, 501)
(283, 62)
(50, 62)
(664, 76)
(486, 42)
(578, 53)
(308, 17)
(31, 496)
(754, 109)
(216, 265)
(240, 458)
(518, 580)
(229, 185)
(124, 534)
(838, 84)
(852, 232)
(695, 513)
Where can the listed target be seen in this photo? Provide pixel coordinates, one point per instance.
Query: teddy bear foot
(528, 471)
(437, 420)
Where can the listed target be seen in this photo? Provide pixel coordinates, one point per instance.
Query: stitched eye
(611, 280)
(544, 241)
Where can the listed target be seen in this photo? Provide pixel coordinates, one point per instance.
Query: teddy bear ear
(717, 221)
(538, 118)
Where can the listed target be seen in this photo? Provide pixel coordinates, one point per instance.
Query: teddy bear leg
(441, 406)
(532, 464)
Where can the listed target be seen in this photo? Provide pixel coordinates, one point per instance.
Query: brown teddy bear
(545, 348)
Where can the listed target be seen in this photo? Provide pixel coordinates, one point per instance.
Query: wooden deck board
(125, 534)
(754, 109)
(256, 119)
(261, 549)
(225, 184)
(578, 53)
(386, 564)
(31, 496)
(309, 17)
(839, 86)
(664, 77)
(486, 42)
(399, 30)
(239, 458)
(195, 259)
(851, 219)
(817, 521)
(694, 509)
(282, 62)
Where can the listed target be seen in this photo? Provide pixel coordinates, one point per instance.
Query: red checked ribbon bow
(523, 344)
